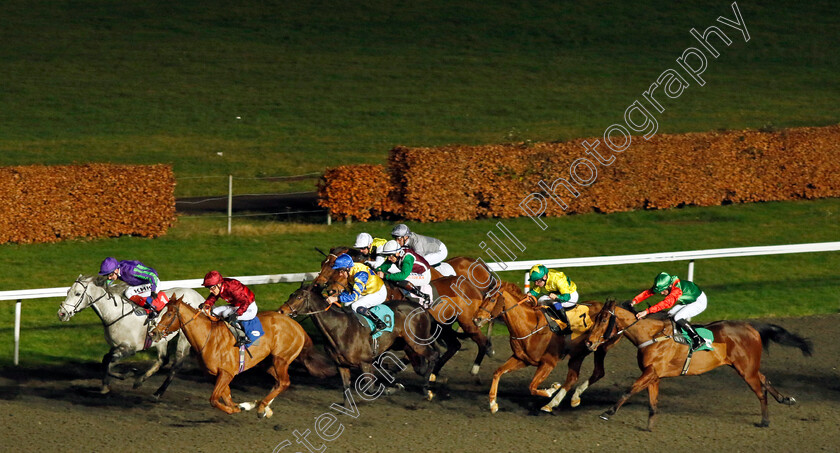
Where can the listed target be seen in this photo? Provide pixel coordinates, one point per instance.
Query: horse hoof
(790, 401)
(474, 370)
(547, 409)
(575, 402)
(247, 406)
(105, 390)
(763, 424)
(432, 377)
(556, 386)
(430, 395)
(490, 353)
(137, 384)
(604, 416)
(494, 407)
(265, 414)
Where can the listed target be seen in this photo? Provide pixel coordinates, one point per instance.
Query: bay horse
(284, 341)
(125, 332)
(534, 344)
(736, 343)
(349, 342)
(453, 302)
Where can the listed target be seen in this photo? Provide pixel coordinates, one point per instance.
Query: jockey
(368, 289)
(433, 250)
(414, 272)
(241, 299)
(370, 247)
(686, 298)
(555, 291)
(142, 281)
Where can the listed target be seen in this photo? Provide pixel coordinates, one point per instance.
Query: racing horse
(125, 332)
(737, 344)
(473, 270)
(349, 342)
(453, 302)
(534, 344)
(284, 341)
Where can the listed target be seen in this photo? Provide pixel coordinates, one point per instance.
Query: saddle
(579, 320)
(681, 337)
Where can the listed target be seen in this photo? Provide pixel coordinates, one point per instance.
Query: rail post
(17, 331)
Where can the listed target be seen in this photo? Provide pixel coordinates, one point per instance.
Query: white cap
(363, 240)
(391, 247)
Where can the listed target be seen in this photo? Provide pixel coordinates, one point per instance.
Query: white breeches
(143, 291)
(445, 269)
(568, 304)
(371, 300)
(688, 311)
(421, 281)
(378, 261)
(225, 310)
(437, 257)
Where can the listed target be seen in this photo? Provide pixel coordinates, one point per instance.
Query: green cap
(662, 282)
(538, 272)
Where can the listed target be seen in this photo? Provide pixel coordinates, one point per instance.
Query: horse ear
(610, 302)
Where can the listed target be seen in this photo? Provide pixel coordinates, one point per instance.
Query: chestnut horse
(534, 344)
(737, 344)
(284, 340)
(349, 342)
(453, 303)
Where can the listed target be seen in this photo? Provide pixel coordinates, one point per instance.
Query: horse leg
(431, 354)
(345, 381)
(511, 364)
(110, 359)
(571, 379)
(222, 390)
(280, 372)
(653, 395)
(597, 374)
(479, 338)
(752, 377)
(647, 377)
(490, 351)
(181, 352)
(789, 400)
(161, 355)
(453, 345)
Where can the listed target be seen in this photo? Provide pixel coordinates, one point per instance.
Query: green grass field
(781, 285)
(281, 89)
(337, 83)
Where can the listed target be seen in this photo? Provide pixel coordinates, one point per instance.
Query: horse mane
(115, 289)
(509, 287)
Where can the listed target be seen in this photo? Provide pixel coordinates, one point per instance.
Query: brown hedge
(703, 169)
(358, 191)
(50, 203)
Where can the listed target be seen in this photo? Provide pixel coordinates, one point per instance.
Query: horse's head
(81, 295)
(170, 319)
(299, 301)
(604, 326)
(490, 307)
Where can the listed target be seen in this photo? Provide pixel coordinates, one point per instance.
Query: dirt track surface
(60, 409)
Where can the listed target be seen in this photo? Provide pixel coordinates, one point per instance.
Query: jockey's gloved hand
(232, 318)
(139, 311)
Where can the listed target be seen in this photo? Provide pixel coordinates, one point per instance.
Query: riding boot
(552, 324)
(377, 323)
(560, 313)
(696, 340)
(241, 337)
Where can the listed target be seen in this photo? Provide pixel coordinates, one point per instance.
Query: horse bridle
(612, 324)
(76, 309)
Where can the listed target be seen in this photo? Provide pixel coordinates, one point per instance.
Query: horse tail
(773, 332)
(316, 363)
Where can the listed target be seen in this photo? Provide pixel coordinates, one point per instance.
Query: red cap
(212, 278)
